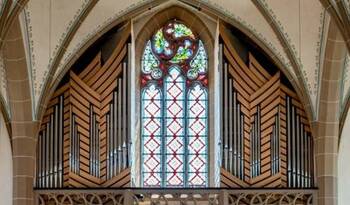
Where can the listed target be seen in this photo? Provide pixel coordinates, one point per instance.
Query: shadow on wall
(6, 175)
(344, 165)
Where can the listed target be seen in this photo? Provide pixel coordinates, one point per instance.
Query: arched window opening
(174, 109)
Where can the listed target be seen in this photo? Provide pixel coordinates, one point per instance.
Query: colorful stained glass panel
(200, 62)
(149, 61)
(174, 109)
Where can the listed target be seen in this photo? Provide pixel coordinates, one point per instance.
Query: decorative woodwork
(84, 143)
(178, 196)
(266, 137)
(83, 140)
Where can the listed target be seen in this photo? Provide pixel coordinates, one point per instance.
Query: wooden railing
(208, 196)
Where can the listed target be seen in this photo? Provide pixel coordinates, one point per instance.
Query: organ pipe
(117, 157)
(299, 149)
(265, 135)
(84, 135)
(266, 149)
(232, 141)
(50, 150)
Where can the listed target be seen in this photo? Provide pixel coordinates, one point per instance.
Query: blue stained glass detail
(161, 45)
(183, 53)
(149, 61)
(200, 62)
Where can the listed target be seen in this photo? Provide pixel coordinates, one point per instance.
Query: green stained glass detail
(174, 104)
(181, 30)
(149, 61)
(192, 74)
(199, 62)
(161, 45)
(183, 53)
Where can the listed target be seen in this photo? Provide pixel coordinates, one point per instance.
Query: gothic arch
(196, 24)
(202, 8)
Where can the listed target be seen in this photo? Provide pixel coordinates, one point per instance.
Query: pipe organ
(266, 138)
(83, 140)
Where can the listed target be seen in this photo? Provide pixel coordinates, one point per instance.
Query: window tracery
(174, 109)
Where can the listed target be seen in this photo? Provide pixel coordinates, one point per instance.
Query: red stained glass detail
(174, 116)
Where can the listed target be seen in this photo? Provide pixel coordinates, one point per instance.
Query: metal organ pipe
(49, 172)
(226, 124)
(253, 150)
(239, 139)
(293, 145)
(299, 148)
(94, 143)
(230, 134)
(75, 139)
(297, 160)
(258, 133)
(284, 129)
(302, 155)
(242, 143)
(117, 137)
(53, 147)
(61, 147)
(232, 139)
(114, 136)
(289, 151)
(124, 127)
(120, 125)
(221, 77)
(55, 152)
(47, 155)
(255, 138)
(108, 146)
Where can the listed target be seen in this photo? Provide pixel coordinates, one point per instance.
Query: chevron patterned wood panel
(83, 140)
(266, 136)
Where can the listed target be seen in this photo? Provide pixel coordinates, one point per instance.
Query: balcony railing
(209, 196)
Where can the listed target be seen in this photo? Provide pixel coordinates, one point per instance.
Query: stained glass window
(174, 106)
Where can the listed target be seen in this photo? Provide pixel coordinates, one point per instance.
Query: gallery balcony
(169, 196)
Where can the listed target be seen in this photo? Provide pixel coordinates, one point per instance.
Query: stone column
(327, 125)
(22, 126)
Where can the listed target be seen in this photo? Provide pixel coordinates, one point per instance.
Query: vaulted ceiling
(295, 32)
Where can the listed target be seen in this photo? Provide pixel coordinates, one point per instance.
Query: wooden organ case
(83, 140)
(266, 137)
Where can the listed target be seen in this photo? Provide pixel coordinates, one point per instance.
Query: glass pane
(149, 61)
(174, 118)
(197, 135)
(200, 61)
(151, 140)
(174, 89)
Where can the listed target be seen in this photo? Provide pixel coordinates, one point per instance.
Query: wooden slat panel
(258, 89)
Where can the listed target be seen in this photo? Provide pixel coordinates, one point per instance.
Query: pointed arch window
(174, 109)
